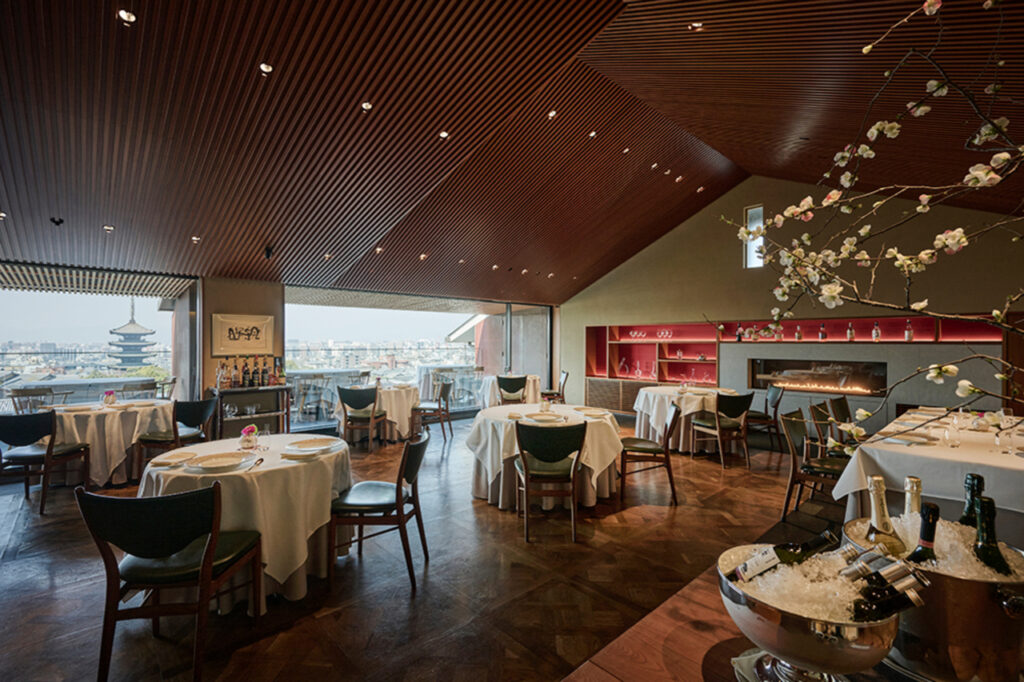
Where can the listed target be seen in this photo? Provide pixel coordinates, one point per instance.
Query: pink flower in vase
(250, 430)
(108, 393)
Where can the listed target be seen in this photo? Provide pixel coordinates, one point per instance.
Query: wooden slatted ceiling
(165, 129)
(762, 75)
(30, 277)
(346, 298)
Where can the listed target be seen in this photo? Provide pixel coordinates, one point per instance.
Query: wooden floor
(488, 606)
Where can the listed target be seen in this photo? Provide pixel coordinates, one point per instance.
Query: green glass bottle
(787, 553)
(865, 611)
(974, 486)
(987, 547)
(925, 550)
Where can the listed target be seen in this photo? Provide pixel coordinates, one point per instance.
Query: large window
(753, 218)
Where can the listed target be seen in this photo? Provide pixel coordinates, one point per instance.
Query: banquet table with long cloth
(111, 431)
(288, 502)
(492, 440)
(941, 469)
(397, 402)
(653, 403)
(491, 396)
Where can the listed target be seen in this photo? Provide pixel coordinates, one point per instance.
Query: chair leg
(202, 615)
(622, 479)
(799, 494)
(746, 450)
(440, 420)
(332, 530)
(86, 470)
(361, 527)
(257, 583)
(405, 548)
(423, 534)
(46, 487)
(721, 450)
(526, 509)
(155, 601)
(28, 471)
(572, 508)
(107, 637)
(671, 478)
(785, 503)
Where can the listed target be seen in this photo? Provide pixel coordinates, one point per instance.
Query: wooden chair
(727, 424)
(643, 450)
(310, 392)
(437, 409)
(768, 420)
(840, 409)
(165, 388)
(512, 390)
(190, 423)
(141, 390)
(548, 454)
(804, 469)
(28, 400)
(557, 395)
(27, 457)
(169, 542)
(380, 503)
(821, 419)
(359, 412)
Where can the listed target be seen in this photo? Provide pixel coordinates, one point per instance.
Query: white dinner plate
(216, 464)
(143, 403)
(595, 412)
(544, 417)
(81, 408)
(302, 456)
(514, 416)
(911, 439)
(172, 459)
(120, 406)
(313, 444)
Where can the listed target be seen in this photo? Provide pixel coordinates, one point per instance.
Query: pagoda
(132, 343)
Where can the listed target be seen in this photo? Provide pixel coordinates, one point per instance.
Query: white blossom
(830, 294)
(919, 305)
(864, 231)
(964, 388)
(938, 373)
(951, 241)
(831, 198)
(931, 6)
(847, 179)
(865, 152)
(936, 88)
(863, 259)
(928, 256)
(861, 414)
(987, 132)
(981, 175)
(999, 160)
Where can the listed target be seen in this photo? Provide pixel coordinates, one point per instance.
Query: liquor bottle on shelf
(908, 332)
(925, 550)
(265, 374)
(876, 333)
(787, 553)
(754, 336)
(877, 573)
(880, 531)
(891, 589)
(849, 331)
(235, 376)
(974, 486)
(778, 333)
(798, 335)
(739, 332)
(911, 495)
(822, 334)
(246, 378)
(282, 378)
(254, 373)
(986, 548)
(868, 611)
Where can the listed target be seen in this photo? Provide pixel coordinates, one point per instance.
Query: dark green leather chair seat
(36, 454)
(427, 406)
(642, 445)
(551, 393)
(184, 565)
(542, 469)
(364, 414)
(367, 497)
(709, 422)
(759, 416)
(825, 465)
(184, 432)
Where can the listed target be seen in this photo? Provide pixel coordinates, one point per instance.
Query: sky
(86, 318)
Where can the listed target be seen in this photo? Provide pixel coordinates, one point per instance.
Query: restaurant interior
(763, 423)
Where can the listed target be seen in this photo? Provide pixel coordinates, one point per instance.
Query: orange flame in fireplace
(822, 388)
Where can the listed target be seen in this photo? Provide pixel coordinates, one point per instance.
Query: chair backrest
(357, 398)
(840, 408)
(512, 384)
(24, 429)
(772, 398)
(165, 389)
(445, 392)
(194, 413)
(734, 406)
(26, 400)
(364, 377)
(412, 458)
(151, 527)
(564, 377)
(674, 414)
(795, 429)
(550, 443)
(819, 417)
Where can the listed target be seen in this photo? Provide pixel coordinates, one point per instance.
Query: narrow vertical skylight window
(753, 217)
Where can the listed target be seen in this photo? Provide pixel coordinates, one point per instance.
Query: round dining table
(653, 403)
(288, 501)
(491, 396)
(110, 432)
(397, 402)
(492, 439)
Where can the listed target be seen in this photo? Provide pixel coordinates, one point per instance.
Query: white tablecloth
(490, 395)
(653, 403)
(941, 470)
(110, 433)
(288, 502)
(397, 402)
(493, 441)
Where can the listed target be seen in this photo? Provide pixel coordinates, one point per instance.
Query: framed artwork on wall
(242, 335)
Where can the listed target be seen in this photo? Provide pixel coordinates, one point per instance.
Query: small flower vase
(247, 442)
(109, 398)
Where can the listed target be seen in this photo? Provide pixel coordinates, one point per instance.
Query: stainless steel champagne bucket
(801, 644)
(966, 629)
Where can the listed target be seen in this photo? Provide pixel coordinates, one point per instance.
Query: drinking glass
(1006, 435)
(250, 410)
(230, 410)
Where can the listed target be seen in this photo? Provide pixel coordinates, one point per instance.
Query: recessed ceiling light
(366, 107)
(700, 189)
(523, 271)
(654, 165)
(626, 150)
(679, 178)
(3, 216)
(668, 171)
(552, 114)
(697, 26)
(196, 239)
(423, 256)
(327, 256)
(265, 69)
(593, 133)
(379, 249)
(108, 228)
(550, 275)
(127, 17)
(462, 261)
(443, 134)
(574, 276)
(494, 267)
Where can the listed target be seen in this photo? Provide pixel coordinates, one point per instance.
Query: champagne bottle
(911, 495)
(987, 547)
(908, 332)
(786, 553)
(876, 333)
(974, 486)
(850, 334)
(866, 563)
(850, 553)
(245, 374)
(865, 611)
(880, 531)
(878, 573)
(798, 335)
(265, 374)
(822, 334)
(925, 550)
(901, 584)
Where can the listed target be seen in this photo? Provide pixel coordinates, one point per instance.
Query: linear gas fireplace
(819, 376)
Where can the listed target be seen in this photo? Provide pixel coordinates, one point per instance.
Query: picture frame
(241, 335)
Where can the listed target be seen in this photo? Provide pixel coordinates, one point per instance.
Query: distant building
(133, 348)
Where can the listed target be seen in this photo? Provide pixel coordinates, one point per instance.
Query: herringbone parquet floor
(488, 607)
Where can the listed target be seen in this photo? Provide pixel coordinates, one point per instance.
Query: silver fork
(255, 464)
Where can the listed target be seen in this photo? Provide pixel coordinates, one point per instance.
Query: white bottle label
(763, 561)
